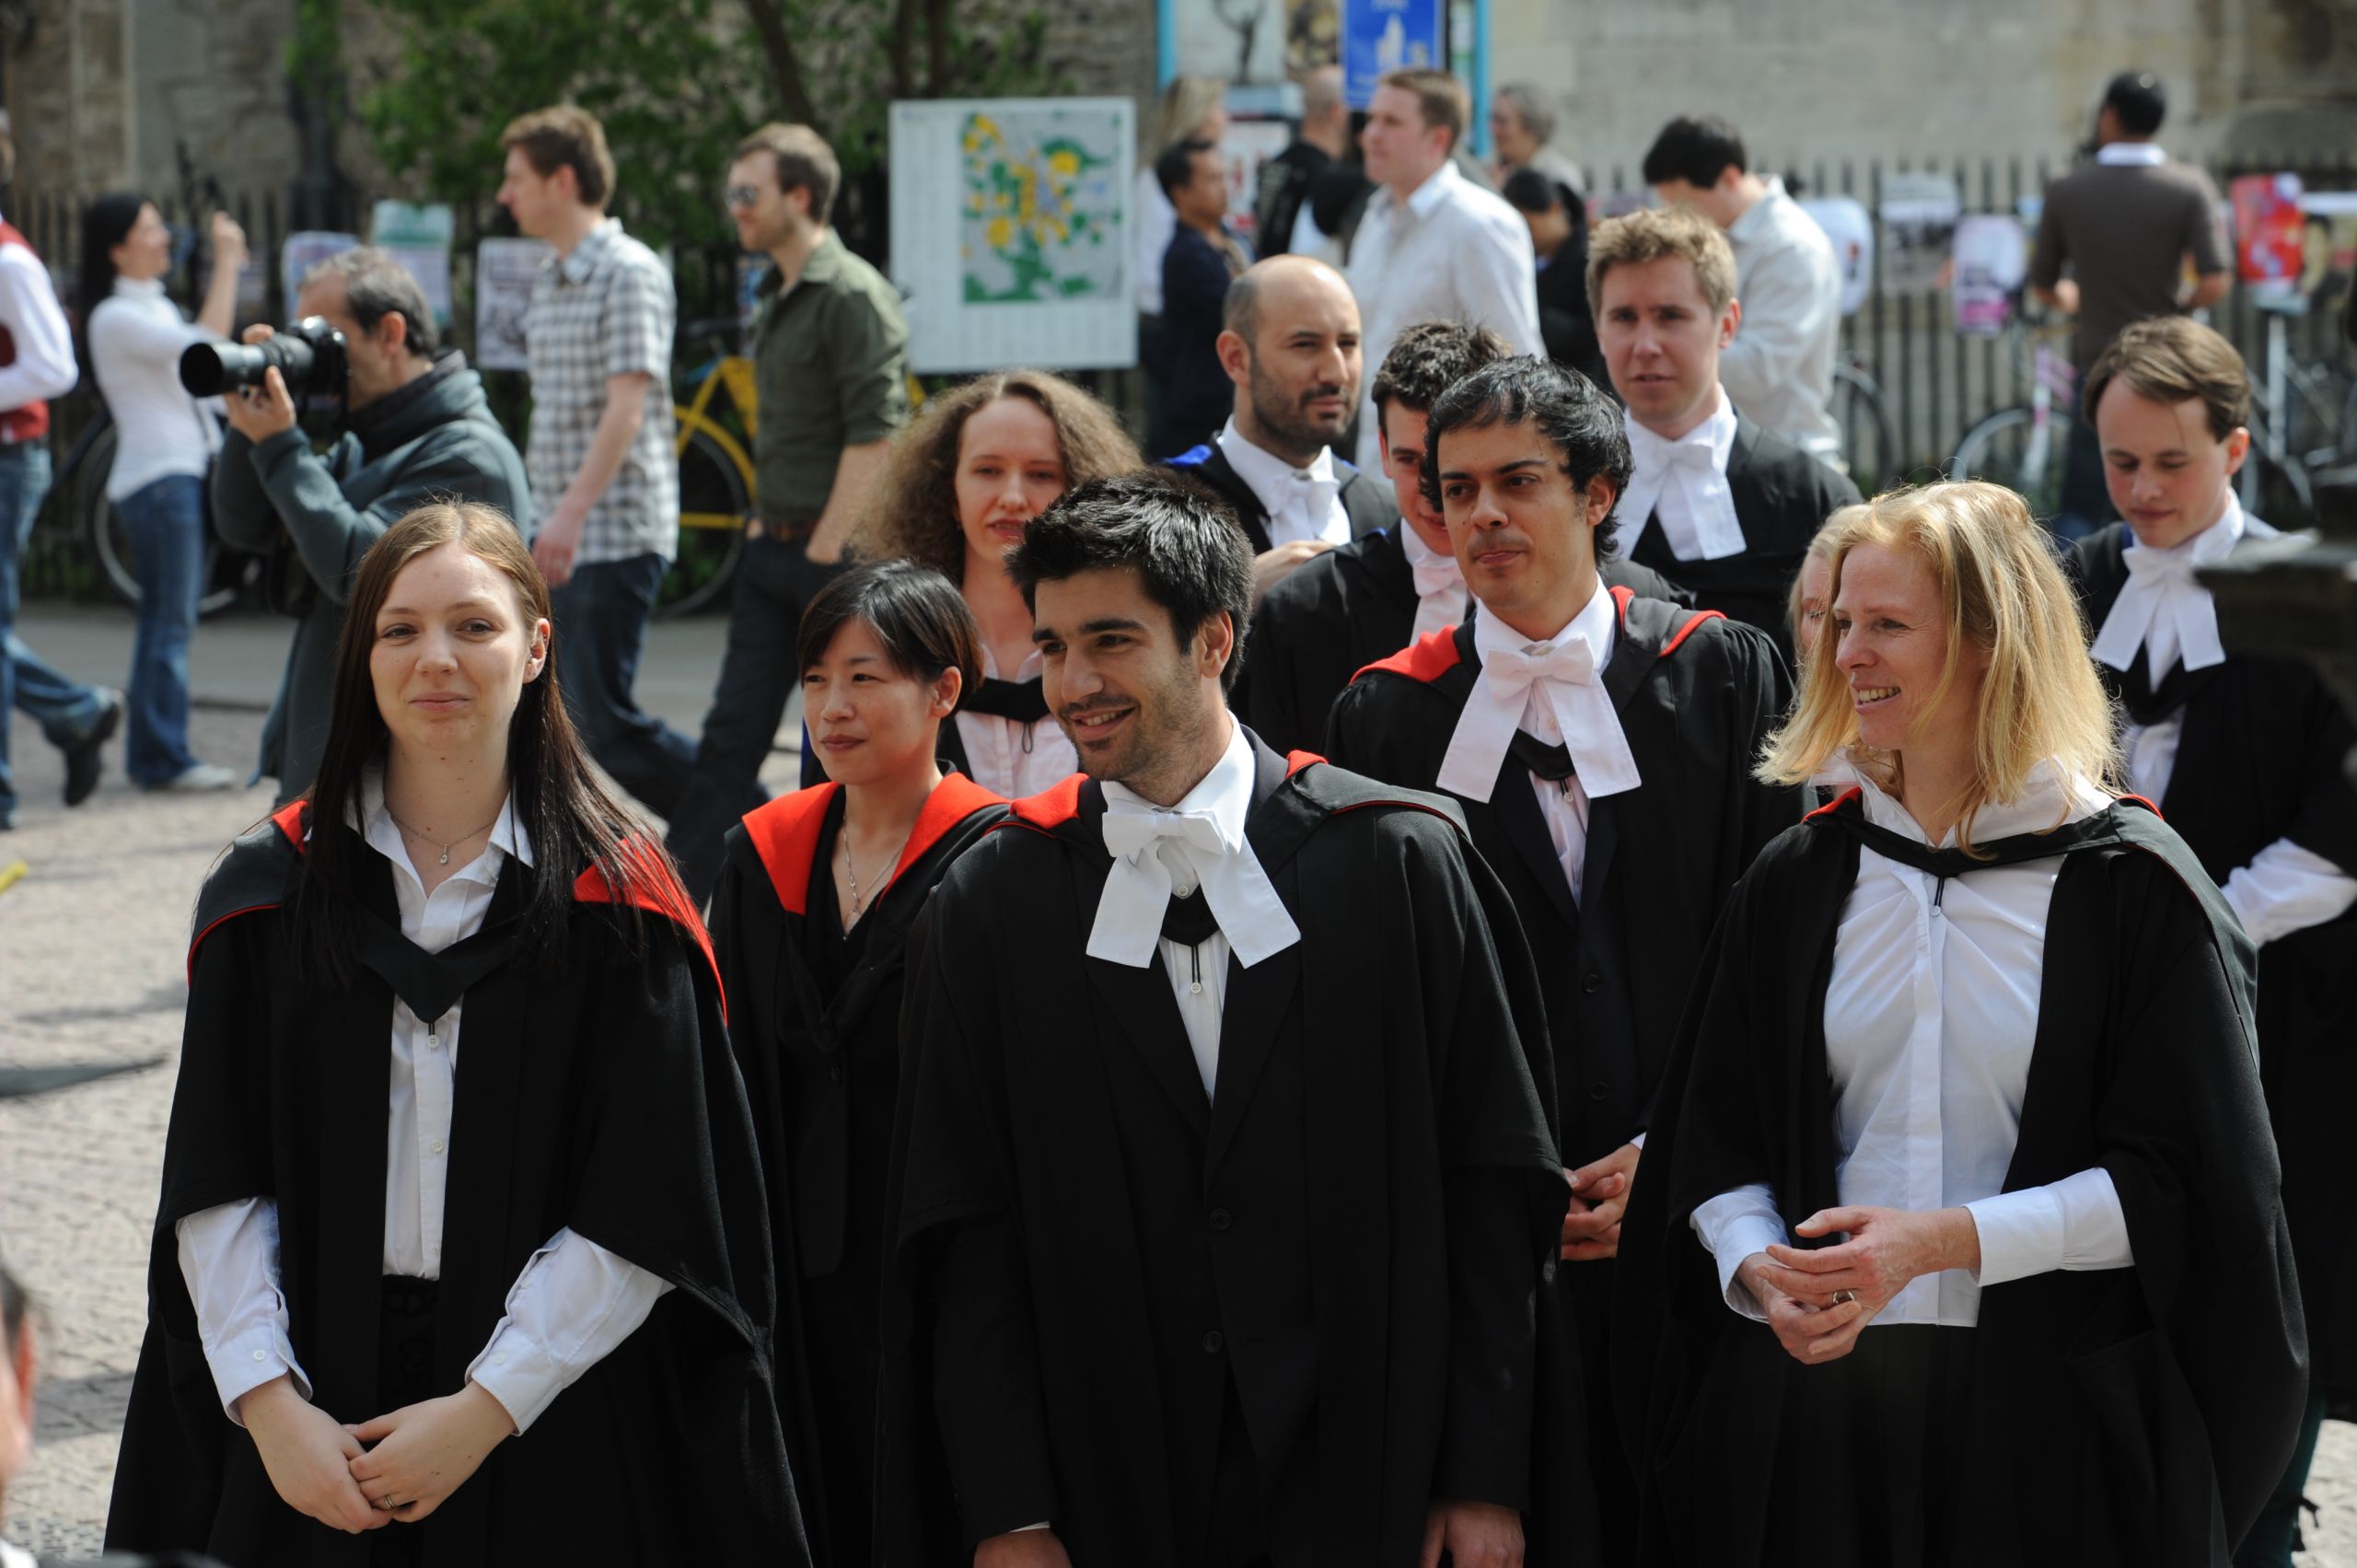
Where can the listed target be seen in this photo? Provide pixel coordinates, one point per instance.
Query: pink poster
(2269, 238)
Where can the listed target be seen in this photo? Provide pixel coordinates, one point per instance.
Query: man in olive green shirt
(830, 356)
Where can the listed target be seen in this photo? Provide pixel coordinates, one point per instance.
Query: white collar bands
(1554, 690)
(2164, 609)
(1683, 485)
(1202, 834)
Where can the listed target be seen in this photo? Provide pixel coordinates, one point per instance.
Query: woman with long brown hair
(370, 1272)
(980, 462)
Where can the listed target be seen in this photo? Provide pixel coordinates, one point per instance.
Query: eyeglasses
(742, 195)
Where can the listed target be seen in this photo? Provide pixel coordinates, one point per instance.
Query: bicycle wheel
(2012, 449)
(102, 527)
(713, 500)
(1868, 442)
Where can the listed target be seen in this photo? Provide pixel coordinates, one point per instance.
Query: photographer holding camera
(415, 429)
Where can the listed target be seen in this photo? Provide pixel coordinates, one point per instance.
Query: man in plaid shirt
(604, 483)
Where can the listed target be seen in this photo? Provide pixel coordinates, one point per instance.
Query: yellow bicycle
(713, 445)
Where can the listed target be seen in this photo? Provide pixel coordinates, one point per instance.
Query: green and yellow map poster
(1010, 232)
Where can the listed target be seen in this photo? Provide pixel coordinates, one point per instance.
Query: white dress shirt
(574, 1302)
(1780, 368)
(1301, 503)
(1010, 759)
(1157, 223)
(1194, 847)
(1930, 1015)
(1450, 253)
(1682, 484)
(44, 365)
(2166, 613)
(136, 337)
(1441, 594)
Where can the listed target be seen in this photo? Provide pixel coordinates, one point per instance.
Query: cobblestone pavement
(91, 947)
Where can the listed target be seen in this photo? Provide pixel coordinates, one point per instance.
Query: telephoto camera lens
(308, 355)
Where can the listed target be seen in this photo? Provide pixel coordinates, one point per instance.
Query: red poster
(2268, 229)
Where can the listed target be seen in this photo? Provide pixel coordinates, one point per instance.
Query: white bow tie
(1129, 914)
(2164, 610)
(1680, 483)
(1565, 677)
(1440, 594)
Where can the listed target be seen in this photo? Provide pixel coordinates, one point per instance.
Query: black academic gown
(603, 1098)
(1107, 1283)
(1782, 497)
(1695, 693)
(1336, 615)
(2260, 759)
(1367, 499)
(816, 1023)
(2123, 1416)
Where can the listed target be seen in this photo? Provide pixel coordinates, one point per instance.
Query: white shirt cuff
(228, 1257)
(1734, 1225)
(2287, 888)
(572, 1305)
(1637, 1141)
(242, 1364)
(2076, 1224)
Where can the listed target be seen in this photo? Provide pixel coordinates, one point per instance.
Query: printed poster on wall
(2270, 242)
(304, 250)
(1010, 232)
(504, 273)
(1851, 229)
(1253, 44)
(419, 238)
(1387, 35)
(1992, 260)
(1919, 218)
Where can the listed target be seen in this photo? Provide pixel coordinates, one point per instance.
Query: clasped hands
(1818, 1300)
(1599, 1197)
(396, 1468)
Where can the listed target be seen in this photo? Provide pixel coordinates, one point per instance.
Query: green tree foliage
(676, 83)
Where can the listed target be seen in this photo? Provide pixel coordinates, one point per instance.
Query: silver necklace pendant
(445, 855)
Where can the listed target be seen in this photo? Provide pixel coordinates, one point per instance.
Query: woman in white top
(164, 444)
(382, 1267)
(1960, 1241)
(976, 465)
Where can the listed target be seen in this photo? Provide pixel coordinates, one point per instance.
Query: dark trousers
(166, 522)
(404, 1377)
(601, 614)
(775, 582)
(2277, 1532)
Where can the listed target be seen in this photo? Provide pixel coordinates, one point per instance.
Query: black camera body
(308, 357)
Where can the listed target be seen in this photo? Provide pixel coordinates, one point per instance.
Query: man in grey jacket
(417, 429)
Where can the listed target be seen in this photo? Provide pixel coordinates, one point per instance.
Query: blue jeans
(62, 707)
(166, 522)
(601, 614)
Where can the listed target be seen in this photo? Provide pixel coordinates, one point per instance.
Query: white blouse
(574, 1302)
(137, 335)
(1930, 1015)
(1010, 759)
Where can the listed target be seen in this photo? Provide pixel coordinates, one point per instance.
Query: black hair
(1576, 419)
(916, 614)
(15, 1304)
(1176, 167)
(107, 222)
(1429, 358)
(1527, 190)
(2138, 101)
(1696, 150)
(1179, 534)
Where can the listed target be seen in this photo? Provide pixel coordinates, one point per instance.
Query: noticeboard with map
(1010, 232)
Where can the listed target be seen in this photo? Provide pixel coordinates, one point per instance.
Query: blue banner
(1387, 35)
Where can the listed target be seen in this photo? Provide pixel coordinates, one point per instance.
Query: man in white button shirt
(1600, 747)
(1716, 503)
(1780, 370)
(1434, 246)
(2244, 756)
(1290, 342)
(1227, 1194)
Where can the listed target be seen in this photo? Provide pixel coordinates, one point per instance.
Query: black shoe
(82, 757)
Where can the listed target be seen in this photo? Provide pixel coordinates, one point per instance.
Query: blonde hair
(1651, 234)
(2003, 593)
(1820, 547)
(1185, 104)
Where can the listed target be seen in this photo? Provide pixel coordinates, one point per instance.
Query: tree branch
(786, 67)
(936, 44)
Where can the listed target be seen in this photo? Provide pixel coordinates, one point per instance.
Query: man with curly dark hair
(1600, 746)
